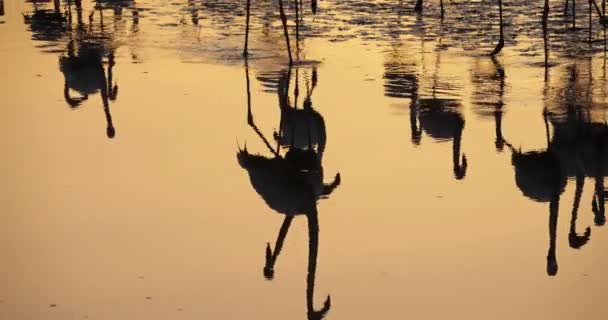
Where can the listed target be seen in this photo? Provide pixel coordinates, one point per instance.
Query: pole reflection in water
(291, 184)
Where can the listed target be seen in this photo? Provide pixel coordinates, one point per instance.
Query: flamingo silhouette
(292, 184)
(83, 70)
(438, 117)
(501, 39)
(538, 175)
(542, 176)
(577, 147)
(441, 119)
(84, 73)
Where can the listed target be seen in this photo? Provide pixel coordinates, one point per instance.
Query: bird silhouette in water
(437, 116)
(539, 176)
(581, 131)
(441, 119)
(86, 56)
(84, 72)
(291, 184)
(542, 175)
(577, 147)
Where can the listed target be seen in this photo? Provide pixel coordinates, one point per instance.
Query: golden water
(161, 221)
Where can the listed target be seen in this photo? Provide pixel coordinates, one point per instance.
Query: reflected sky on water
(395, 170)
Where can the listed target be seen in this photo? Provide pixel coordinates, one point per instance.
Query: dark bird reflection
(539, 176)
(83, 70)
(291, 184)
(88, 60)
(576, 148)
(441, 119)
(580, 127)
(430, 112)
(488, 79)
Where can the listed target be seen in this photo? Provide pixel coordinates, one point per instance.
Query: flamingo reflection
(291, 184)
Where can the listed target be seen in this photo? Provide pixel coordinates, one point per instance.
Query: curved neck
(313, 247)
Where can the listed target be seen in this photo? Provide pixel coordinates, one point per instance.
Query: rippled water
(396, 170)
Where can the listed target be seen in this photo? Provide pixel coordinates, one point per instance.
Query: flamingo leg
(286, 33)
(250, 114)
(271, 257)
(501, 40)
(418, 7)
(245, 53)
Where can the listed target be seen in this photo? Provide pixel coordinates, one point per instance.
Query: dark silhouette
(419, 5)
(1, 8)
(489, 83)
(291, 184)
(442, 120)
(501, 39)
(84, 73)
(541, 176)
(577, 147)
(439, 117)
(86, 56)
(538, 176)
(583, 138)
(83, 68)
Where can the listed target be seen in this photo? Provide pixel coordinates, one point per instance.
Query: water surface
(445, 183)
